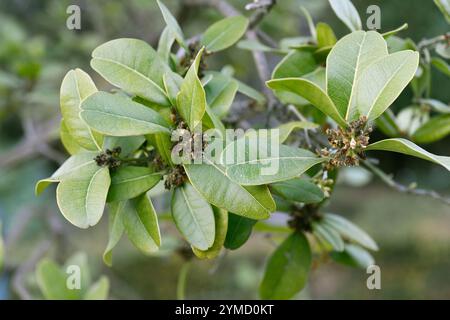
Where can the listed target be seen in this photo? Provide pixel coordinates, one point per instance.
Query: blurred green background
(36, 50)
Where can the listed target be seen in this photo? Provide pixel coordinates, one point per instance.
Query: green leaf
(81, 198)
(211, 121)
(69, 168)
(130, 182)
(255, 45)
(128, 145)
(444, 6)
(349, 231)
(298, 190)
(75, 88)
(115, 115)
(68, 141)
(346, 63)
(211, 181)
(421, 83)
(441, 65)
(435, 129)
(443, 49)
(165, 44)
(239, 231)
(172, 24)
(286, 129)
(133, 66)
(224, 33)
(116, 228)
(220, 92)
(163, 145)
(295, 64)
(309, 20)
(317, 77)
(346, 12)
(193, 217)
(262, 165)
(354, 256)
(80, 260)
(382, 82)
(436, 105)
(386, 123)
(328, 236)
(311, 92)
(251, 93)
(52, 282)
(325, 35)
(191, 100)
(99, 290)
(141, 224)
(411, 118)
(407, 147)
(287, 269)
(221, 225)
(172, 83)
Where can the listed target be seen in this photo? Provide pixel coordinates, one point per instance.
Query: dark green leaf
(239, 231)
(287, 269)
(435, 129)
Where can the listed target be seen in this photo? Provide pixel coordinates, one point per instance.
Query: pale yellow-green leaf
(193, 217)
(191, 100)
(141, 224)
(81, 199)
(99, 290)
(383, 81)
(133, 66)
(75, 88)
(347, 60)
(311, 92)
(116, 229)
(407, 147)
(116, 115)
(221, 225)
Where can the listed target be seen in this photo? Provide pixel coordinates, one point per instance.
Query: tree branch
(387, 179)
(261, 63)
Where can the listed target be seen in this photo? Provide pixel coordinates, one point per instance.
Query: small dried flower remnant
(109, 158)
(348, 144)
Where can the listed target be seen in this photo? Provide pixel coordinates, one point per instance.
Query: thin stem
(432, 41)
(387, 179)
(182, 280)
(297, 113)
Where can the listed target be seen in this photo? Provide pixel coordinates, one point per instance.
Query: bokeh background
(36, 50)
